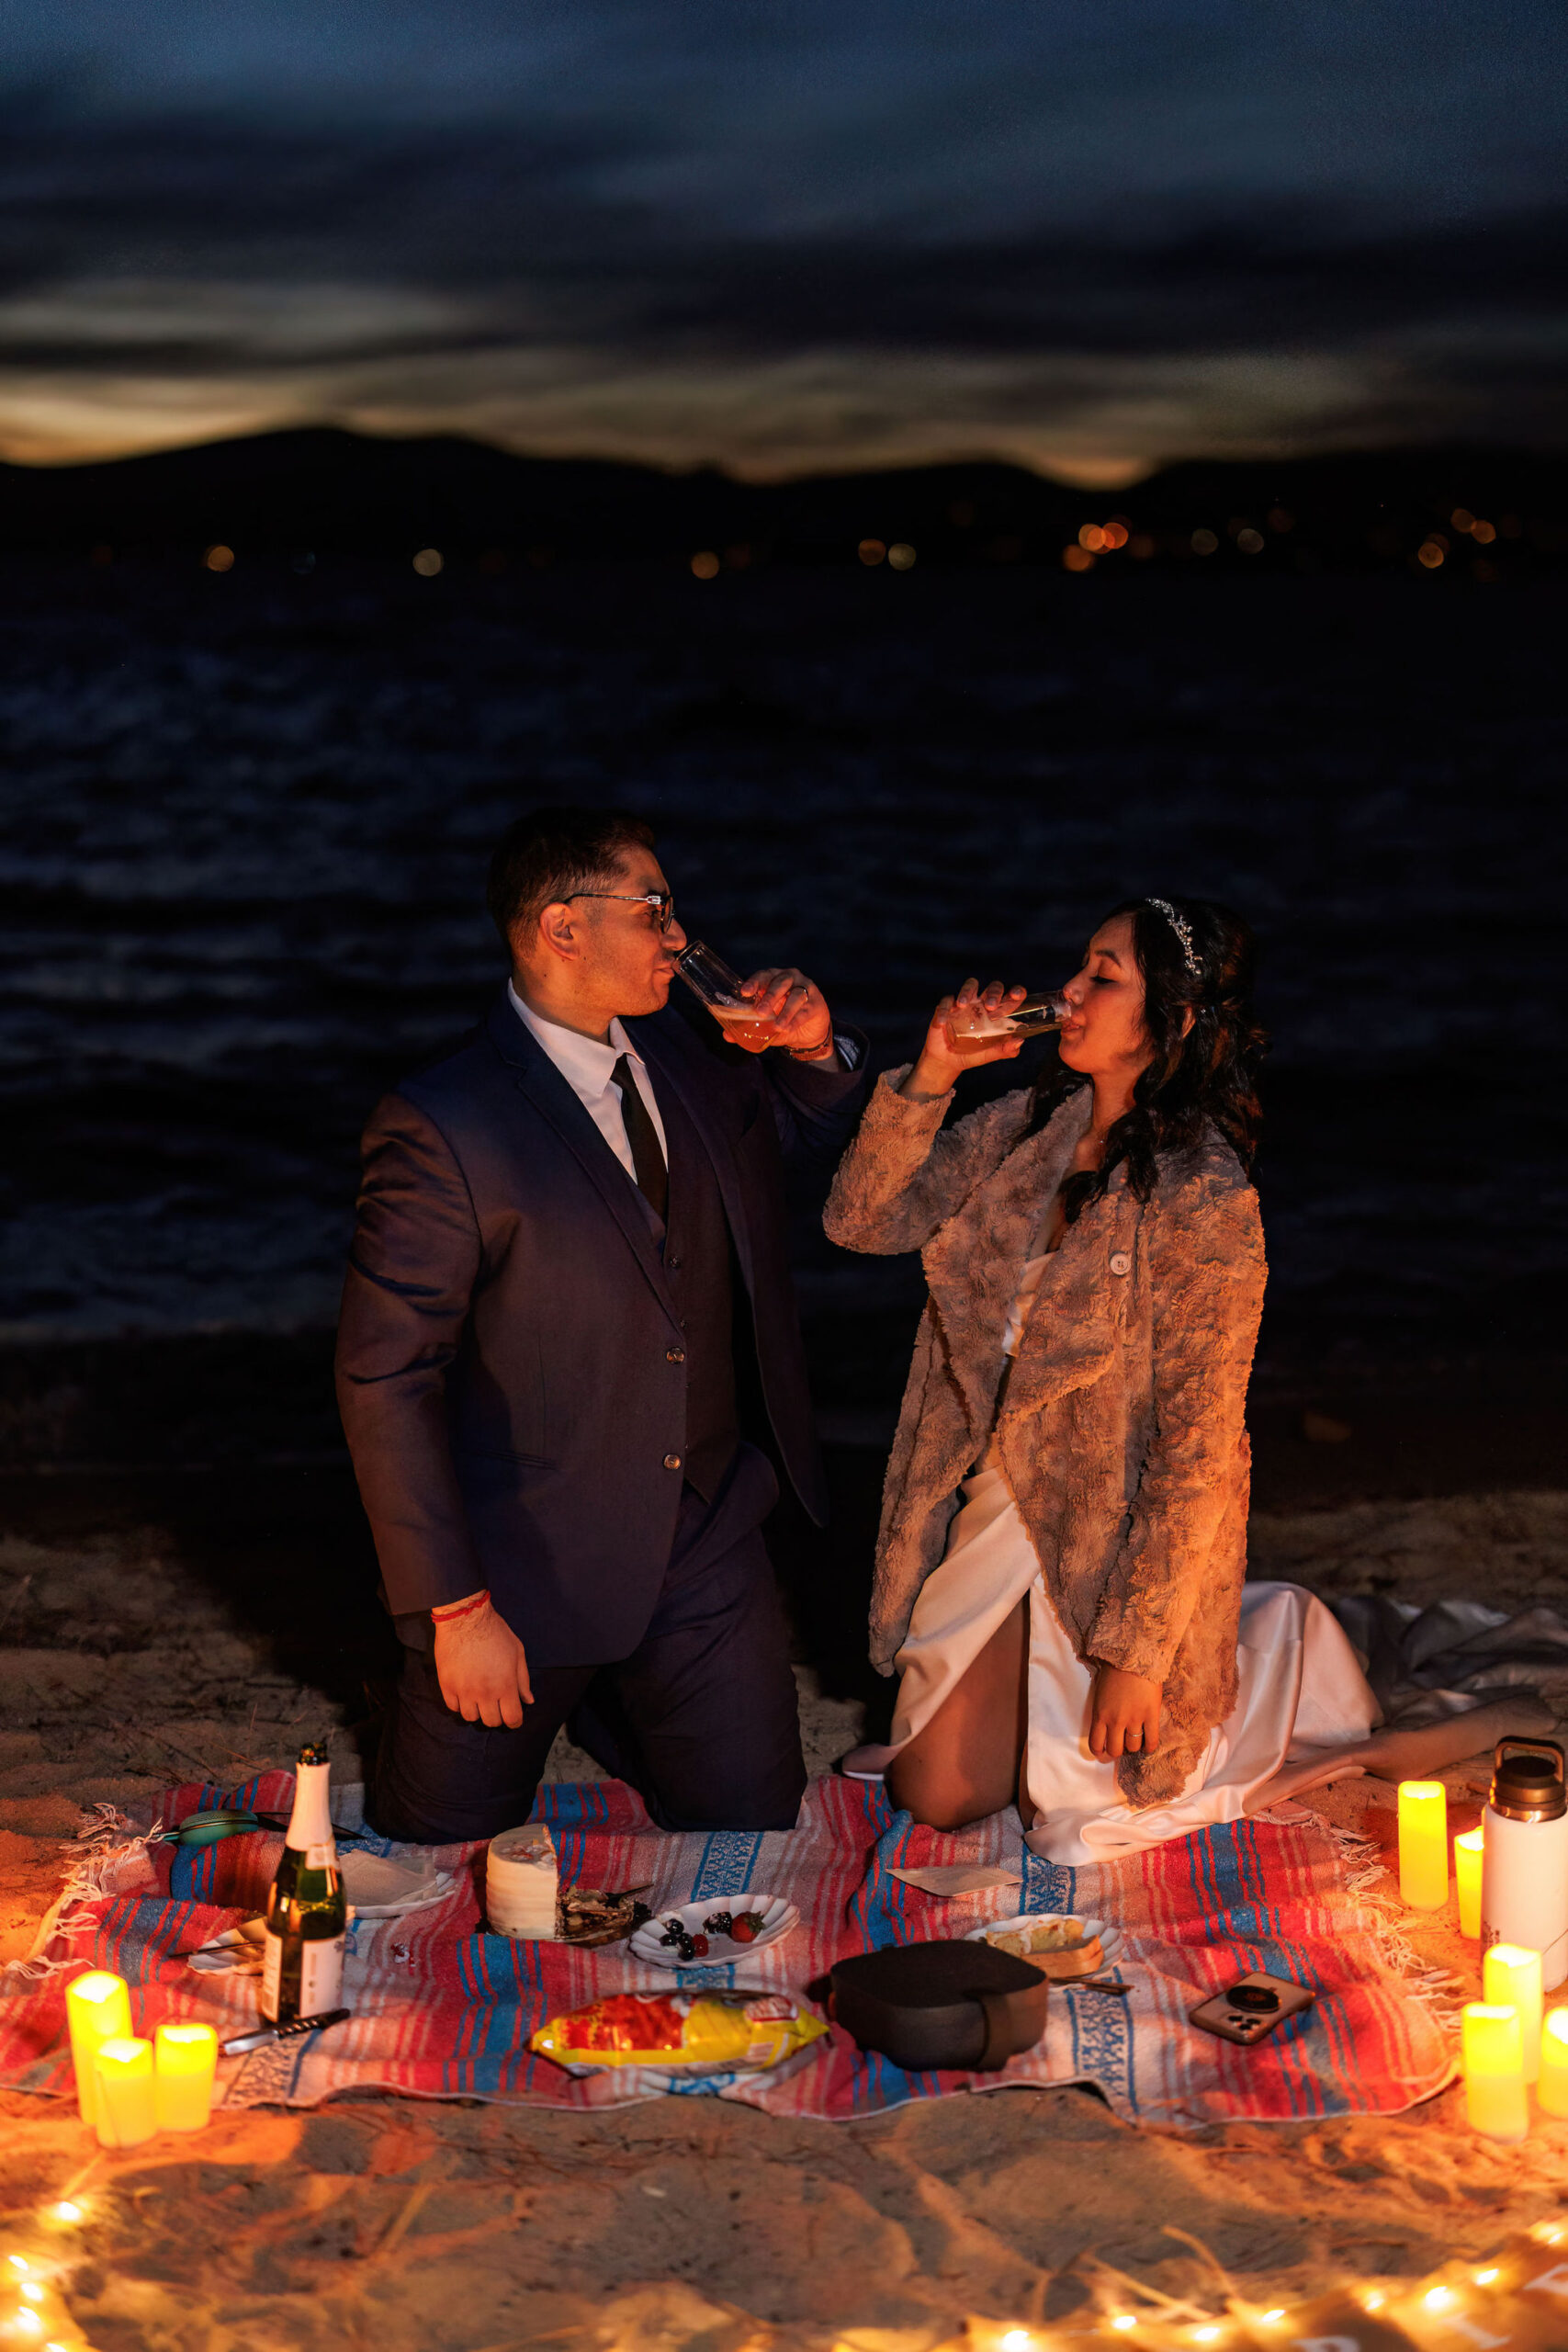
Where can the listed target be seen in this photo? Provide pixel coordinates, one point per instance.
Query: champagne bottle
(306, 1914)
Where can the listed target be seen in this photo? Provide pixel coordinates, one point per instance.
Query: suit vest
(700, 1272)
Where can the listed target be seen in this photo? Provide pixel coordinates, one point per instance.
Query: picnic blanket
(442, 2009)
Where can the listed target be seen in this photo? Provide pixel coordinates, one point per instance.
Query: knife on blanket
(262, 2033)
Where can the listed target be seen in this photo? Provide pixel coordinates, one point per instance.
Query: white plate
(778, 1917)
(1109, 1938)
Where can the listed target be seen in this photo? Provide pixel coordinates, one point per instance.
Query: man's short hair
(552, 853)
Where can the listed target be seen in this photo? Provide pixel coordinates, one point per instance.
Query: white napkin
(947, 1879)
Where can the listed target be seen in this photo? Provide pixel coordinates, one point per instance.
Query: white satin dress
(1300, 1685)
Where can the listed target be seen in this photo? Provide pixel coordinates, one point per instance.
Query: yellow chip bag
(701, 2033)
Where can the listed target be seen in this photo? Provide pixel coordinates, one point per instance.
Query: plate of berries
(713, 1934)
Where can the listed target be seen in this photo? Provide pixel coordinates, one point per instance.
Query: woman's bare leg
(965, 1762)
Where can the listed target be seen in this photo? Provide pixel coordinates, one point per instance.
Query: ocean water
(246, 818)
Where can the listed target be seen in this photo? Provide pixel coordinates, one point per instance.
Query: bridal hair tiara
(1183, 931)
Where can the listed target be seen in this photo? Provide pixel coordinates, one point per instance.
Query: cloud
(784, 251)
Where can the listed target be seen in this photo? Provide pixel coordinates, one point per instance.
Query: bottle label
(321, 1976)
(321, 1857)
(272, 1974)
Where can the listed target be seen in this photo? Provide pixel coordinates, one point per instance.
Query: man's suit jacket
(504, 1365)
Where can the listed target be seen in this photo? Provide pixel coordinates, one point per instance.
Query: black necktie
(652, 1176)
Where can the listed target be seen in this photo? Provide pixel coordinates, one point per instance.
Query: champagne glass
(710, 979)
(973, 1027)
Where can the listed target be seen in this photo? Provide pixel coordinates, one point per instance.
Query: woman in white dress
(1060, 1578)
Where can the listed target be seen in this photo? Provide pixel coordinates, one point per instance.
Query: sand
(682, 2222)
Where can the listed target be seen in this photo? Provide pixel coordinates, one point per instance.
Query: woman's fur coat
(1121, 1429)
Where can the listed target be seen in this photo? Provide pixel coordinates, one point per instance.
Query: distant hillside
(312, 493)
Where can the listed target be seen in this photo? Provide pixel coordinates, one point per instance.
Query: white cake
(521, 1882)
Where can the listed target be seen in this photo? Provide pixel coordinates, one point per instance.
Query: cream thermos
(1524, 1865)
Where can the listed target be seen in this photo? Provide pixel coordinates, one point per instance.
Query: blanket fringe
(1366, 1879)
(104, 1846)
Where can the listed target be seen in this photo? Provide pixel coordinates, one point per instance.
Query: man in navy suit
(567, 1301)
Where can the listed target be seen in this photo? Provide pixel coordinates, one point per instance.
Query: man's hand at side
(481, 1667)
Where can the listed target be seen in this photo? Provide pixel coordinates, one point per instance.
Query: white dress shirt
(586, 1067)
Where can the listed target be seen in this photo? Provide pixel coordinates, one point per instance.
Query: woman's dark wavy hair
(1209, 1075)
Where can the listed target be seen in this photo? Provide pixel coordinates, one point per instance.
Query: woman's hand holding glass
(1124, 1714)
(944, 1058)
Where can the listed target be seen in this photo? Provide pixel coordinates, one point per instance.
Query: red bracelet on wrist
(451, 1608)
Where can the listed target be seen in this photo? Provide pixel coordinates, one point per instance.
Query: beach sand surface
(130, 1664)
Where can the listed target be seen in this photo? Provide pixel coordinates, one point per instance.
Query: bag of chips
(696, 2033)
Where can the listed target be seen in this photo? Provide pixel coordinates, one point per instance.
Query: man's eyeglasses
(661, 902)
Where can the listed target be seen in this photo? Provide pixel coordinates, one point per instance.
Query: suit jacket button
(673, 1265)
(675, 1355)
(671, 1462)
(1120, 1263)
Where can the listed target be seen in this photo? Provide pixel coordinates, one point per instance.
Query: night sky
(826, 235)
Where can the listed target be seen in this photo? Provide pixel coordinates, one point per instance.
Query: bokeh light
(1092, 537)
(1204, 542)
(901, 556)
(219, 559)
(872, 551)
(1430, 554)
(1249, 541)
(1115, 533)
(428, 562)
(1077, 559)
(1483, 533)
(705, 564)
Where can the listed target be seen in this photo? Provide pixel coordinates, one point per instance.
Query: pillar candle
(98, 2006)
(123, 2098)
(1510, 1973)
(1467, 1878)
(1495, 2094)
(185, 2058)
(1423, 1844)
(1552, 2088)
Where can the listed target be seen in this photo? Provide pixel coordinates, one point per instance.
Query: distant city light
(428, 562)
(901, 556)
(219, 559)
(1077, 559)
(705, 564)
(872, 551)
(1249, 541)
(1204, 542)
(1091, 539)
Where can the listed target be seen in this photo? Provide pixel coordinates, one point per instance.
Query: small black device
(1250, 2007)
